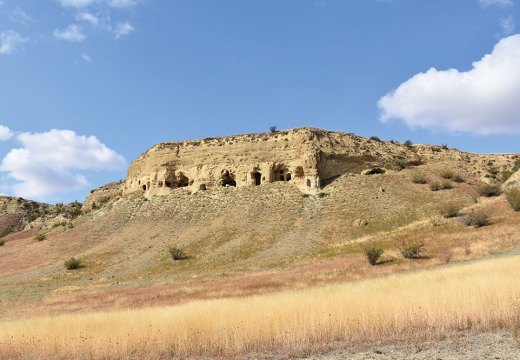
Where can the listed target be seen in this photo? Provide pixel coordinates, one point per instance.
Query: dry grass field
(269, 270)
(428, 304)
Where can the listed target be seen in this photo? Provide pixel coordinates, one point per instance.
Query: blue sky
(88, 85)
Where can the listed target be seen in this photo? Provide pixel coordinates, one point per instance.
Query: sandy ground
(477, 346)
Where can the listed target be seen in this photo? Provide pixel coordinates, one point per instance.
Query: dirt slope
(249, 240)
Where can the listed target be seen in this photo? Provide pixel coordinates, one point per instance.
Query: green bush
(373, 253)
(476, 219)
(40, 237)
(419, 179)
(323, 194)
(489, 190)
(449, 210)
(72, 264)
(411, 249)
(513, 198)
(375, 138)
(408, 143)
(2, 242)
(177, 253)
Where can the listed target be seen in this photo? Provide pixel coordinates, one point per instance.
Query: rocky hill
(245, 233)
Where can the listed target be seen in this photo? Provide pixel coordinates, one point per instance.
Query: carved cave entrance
(281, 173)
(227, 179)
(176, 181)
(257, 176)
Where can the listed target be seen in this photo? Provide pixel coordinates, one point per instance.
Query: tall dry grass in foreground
(481, 295)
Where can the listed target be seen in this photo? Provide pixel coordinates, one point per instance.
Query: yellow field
(482, 295)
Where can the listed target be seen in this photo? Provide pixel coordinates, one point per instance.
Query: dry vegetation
(477, 296)
(215, 272)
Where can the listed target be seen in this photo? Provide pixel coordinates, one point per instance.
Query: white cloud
(20, 16)
(88, 17)
(76, 3)
(73, 33)
(487, 3)
(50, 163)
(86, 3)
(507, 25)
(86, 57)
(123, 29)
(9, 40)
(5, 133)
(122, 3)
(483, 100)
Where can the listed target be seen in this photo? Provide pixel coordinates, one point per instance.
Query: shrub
(408, 143)
(323, 194)
(489, 190)
(415, 162)
(458, 179)
(476, 219)
(272, 129)
(58, 224)
(402, 163)
(446, 184)
(516, 166)
(419, 179)
(411, 249)
(447, 174)
(72, 264)
(513, 198)
(435, 185)
(505, 175)
(375, 138)
(444, 146)
(373, 253)
(5, 233)
(177, 253)
(449, 210)
(40, 237)
(2, 242)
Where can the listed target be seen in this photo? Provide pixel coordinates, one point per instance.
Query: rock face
(306, 157)
(103, 195)
(16, 213)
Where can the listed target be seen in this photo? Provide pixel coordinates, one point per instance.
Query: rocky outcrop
(16, 213)
(105, 194)
(305, 157)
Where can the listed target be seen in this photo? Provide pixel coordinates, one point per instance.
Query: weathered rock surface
(309, 158)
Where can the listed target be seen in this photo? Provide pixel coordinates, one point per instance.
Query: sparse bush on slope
(373, 253)
(513, 198)
(177, 253)
(411, 249)
(449, 210)
(476, 219)
(72, 264)
(419, 179)
(489, 190)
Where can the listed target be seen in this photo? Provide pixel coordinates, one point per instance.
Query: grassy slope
(244, 241)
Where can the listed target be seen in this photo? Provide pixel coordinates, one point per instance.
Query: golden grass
(476, 296)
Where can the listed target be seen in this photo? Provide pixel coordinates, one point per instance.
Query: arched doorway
(257, 177)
